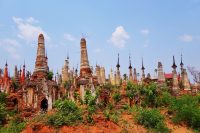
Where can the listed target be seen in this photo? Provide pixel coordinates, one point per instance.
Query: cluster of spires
(41, 65)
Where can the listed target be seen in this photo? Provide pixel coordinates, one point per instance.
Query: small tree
(67, 113)
(132, 90)
(116, 97)
(3, 97)
(151, 94)
(50, 75)
(195, 74)
(90, 101)
(2, 113)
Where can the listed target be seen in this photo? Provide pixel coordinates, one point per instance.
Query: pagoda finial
(118, 66)
(174, 64)
(67, 55)
(130, 67)
(142, 64)
(76, 69)
(6, 63)
(181, 64)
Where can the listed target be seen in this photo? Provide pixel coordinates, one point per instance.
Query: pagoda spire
(41, 64)
(85, 70)
(130, 70)
(118, 77)
(118, 65)
(6, 71)
(181, 64)
(174, 63)
(143, 68)
(130, 67)
(23, 73)
(16, 75)
(67, 56)
(142, 65)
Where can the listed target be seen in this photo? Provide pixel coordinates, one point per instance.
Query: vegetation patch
(67, 113)
(151, 119)
(186, 109)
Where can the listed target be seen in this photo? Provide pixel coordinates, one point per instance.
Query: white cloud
(186, 38)
(11, 46)
(97, 50)
(32, 20)
(119, 37)
(145, 32)
(27, 30)
(69, 37)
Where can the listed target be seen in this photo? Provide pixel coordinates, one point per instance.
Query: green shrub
(50, 75)
(106, 114)
(116, 97)
(125, 106)
(150, 95)
(90, 101)
(2, 113)
(67, 113)
(14, 126)
(111, 115)
(56, 120)
(132, 90)
(186, 109)
(3, 97)
(165, 99)
(151, 119)
(115, 117)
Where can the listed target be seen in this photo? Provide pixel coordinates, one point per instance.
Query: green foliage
(90, 101)
(132, 90)
(186, 109)
(77, 97)
(3, 97)
(89, 98)
(67, 113)
(125, 107)
(116, 97)
(106, 114)
(2, 113)
(14, 84)
(151, 119)
(111, 115)
(150, 95)
(14, 126)
(50, 75)
(165, 99)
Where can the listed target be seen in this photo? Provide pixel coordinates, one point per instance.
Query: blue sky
(153, 29)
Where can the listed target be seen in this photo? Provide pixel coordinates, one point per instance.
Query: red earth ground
(126, 124)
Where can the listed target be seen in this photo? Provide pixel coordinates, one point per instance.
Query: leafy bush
(90, 101)
(186, 109)
(150, 95)
(14, 126)
(151, 119)
(111, 115)
(165, 99)
(116, 97)
(67, 113)
(50, 75)
(3, 97)
(2, 113)
(132, 90)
